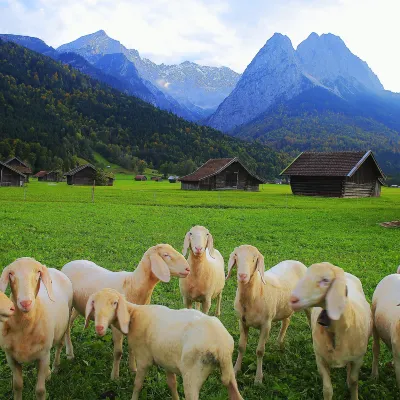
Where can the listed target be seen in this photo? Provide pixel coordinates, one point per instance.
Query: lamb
(386, 316)
(42, 299)
(262, 298)
(341, 321)
(158, 263)
(185, 342)
(207, 275)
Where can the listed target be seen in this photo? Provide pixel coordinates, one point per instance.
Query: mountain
(31, 43)
(50, 114)
(318, 97)
(198, 88)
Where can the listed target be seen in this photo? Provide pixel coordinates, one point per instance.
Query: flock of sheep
(45, 302)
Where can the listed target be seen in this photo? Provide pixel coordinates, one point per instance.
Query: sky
(215, 32)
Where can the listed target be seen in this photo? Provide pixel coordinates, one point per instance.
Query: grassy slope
(58, 223)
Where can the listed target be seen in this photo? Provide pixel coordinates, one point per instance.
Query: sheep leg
(117, 339)
(324, 371)
(396, 359)
(376, 347)
(218, 307)
(244, 333)
(264, 335)
(282, 333)
(194, 378)
(197, 305)
(187, 302)
(43, 374)
(139, 379)
(353, 370)
(132, 362)
(18, 381)
(206, 305)
(56, 362)
(171, 382)
(69, 349)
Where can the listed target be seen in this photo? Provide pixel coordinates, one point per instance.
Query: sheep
(185, 342)
(341, 321)
(386, 316)
(42, 300)
(158, 263)
(207, 275)
(262, 298)
(7, 308)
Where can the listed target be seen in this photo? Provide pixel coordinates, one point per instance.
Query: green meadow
(56, 223)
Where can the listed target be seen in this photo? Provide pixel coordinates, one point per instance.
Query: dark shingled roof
(213, 167)
(79, 168)
(12, 169)
(340, 163)
(23, 168)
(40, 174)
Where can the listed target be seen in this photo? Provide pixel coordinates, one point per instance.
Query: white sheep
(158, 263)
(262, 298)
(386, 315)
(341, 321)
(207, 275)
(185, 342)
(7, 308)
(43, 301)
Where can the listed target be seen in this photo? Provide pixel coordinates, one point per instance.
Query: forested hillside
(50, 114)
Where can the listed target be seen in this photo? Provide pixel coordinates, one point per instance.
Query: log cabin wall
(9, 177)
(329, 186)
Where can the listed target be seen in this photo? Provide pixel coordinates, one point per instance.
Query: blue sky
(215, 32)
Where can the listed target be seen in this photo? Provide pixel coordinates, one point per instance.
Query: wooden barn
(335, 174)
(140, 178)
(81, 175)
(221, 174)
(39, 175)
(20, 166)
(156, 178)
(10, 176)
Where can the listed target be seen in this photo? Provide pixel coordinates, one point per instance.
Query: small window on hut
(231, 179)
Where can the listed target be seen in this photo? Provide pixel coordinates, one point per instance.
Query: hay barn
(10, 176)
(222, 174)
(140, 178)
(335, 174)
(81, 175)
(20, 166)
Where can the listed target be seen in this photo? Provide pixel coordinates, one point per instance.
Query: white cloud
(215, 32)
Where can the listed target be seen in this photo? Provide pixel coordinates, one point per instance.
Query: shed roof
(79, 168)
(12, 169)
(213, 167)
(24, 168)
(40, 174)
(140, 176)
(339, 163)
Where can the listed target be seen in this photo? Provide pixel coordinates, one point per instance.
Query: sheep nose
(294, 299)
(242, 277)
(12, 308)
(99, 328)
(26, 303)
(187, 269)
(198, 248)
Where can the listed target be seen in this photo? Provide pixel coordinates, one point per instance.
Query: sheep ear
(261, 267)
(4, 279)
(210, 245)
(160, 268)
(123, 315)
(45, 277)
(336, 296)
(231, 264)
(186, 244)
(88, 311)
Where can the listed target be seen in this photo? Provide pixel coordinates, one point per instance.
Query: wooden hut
(40, 175)
(335, 174)
(20, 166)
(221, 174)
(140, 178)
(81, 175)
(10, 176)
(156, 178)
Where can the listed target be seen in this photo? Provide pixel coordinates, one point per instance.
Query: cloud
(215, 32)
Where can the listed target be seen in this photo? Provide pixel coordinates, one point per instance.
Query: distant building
(10, 176)
(222, 174)
(20, 166)
(40, 175)
(156, 178)
(335, 174)
(81, 175)
(140, 178)
(172, 179)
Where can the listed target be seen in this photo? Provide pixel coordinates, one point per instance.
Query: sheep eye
(190, 233)
(325, 280)
(208, 234)
(115, 303)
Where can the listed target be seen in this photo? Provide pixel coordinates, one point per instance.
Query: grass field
(56, 223)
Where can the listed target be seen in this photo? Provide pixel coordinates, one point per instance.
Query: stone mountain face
(196, 88)
(279, 72)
